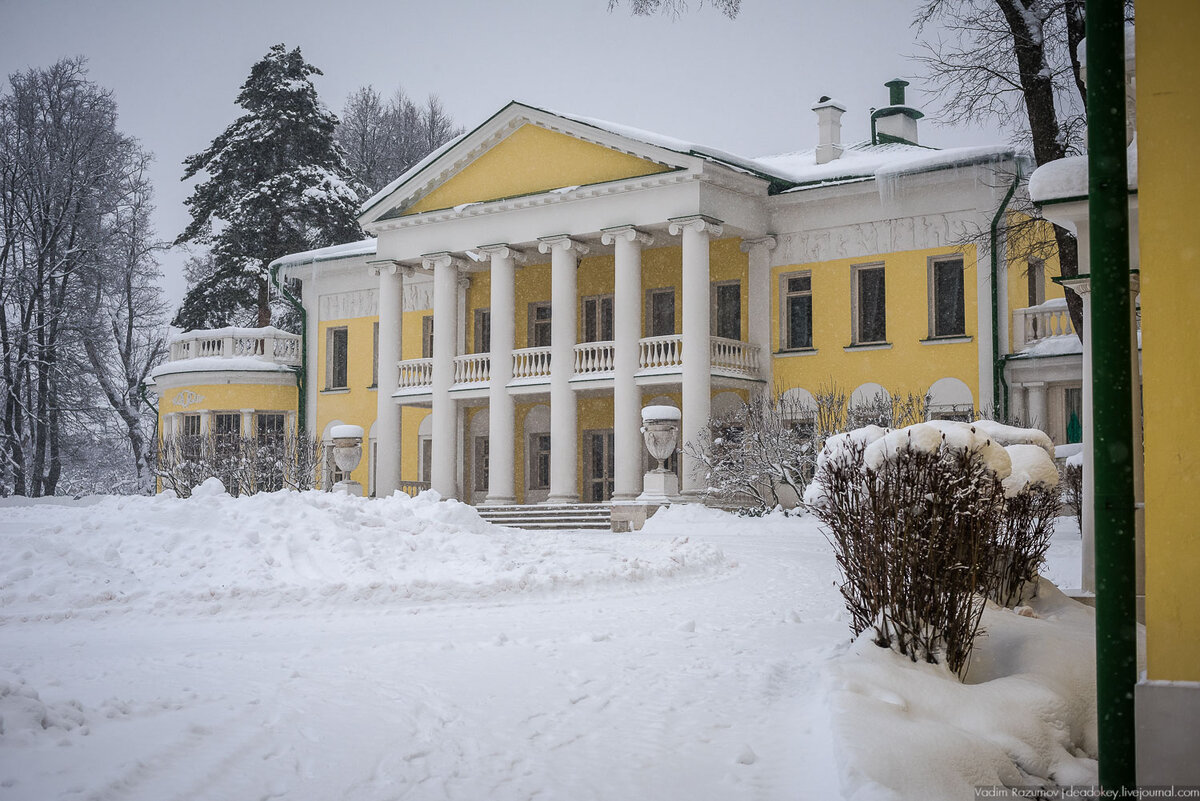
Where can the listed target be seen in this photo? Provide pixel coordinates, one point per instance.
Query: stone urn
(660, 431)
(347, 453)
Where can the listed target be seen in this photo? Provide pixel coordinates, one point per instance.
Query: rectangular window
(600, 465)
(483, 331)
(726, 310)
(1035, 276)
(947, 315)
(1073, 413)
(189, 436)
(480, 456)
(269, 427)
(336, 358)
(426, 459)
(539, 325)
(869, 302)
(539, 461)
(597, 321)
(227, 426)
(374, 354)
(427, 337)
(660, 312)
(797, 312)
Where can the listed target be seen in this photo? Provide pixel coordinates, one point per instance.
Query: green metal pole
(1112, 399)
(1000, 413)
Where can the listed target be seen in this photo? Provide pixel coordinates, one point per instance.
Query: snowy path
(697, 686)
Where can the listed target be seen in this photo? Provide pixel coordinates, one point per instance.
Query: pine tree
(276, 184)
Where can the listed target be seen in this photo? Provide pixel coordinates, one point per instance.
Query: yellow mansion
(537, 281)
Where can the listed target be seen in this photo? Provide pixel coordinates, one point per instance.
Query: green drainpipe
(1112, 396)
(302, 371)
(998, 382)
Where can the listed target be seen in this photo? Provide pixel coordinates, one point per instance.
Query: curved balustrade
(734, 356)
(659, 353)
(268, 343)
(416, 373)
(531, 363)
(1049, 319)
(593, 357)
(473, 368)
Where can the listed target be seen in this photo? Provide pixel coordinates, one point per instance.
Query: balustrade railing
(656, 353)
(1047, 319)
(531, 363)
(473, 368)
(416, 373)
(593, 357)
(734, 356)
(413, 488)
(228, 343)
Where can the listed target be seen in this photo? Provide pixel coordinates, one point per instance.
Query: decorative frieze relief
(870, 238)
(344, 305)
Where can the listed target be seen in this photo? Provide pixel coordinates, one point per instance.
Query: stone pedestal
(347, 453)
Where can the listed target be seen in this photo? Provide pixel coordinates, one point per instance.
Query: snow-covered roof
(346, 250)
(214, 364)
(1067, 179)
(787, 171)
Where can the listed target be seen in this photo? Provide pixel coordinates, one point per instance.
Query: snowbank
(174, 556)
(1024, 717)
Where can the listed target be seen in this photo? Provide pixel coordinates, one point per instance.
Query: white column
(247, 423)
(758, 301)
(444, 467)
(501, 409)
(205, 423)
(697, 356)
(564, 435)
(627, 325)
(1088, 516)
(1037, 406)
(1016, 403)
(387, 412)
(170, 426)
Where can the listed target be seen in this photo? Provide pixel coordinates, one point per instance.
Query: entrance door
(598, 483)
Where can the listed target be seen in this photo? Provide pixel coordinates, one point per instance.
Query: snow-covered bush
(929, 520)
(244, 465)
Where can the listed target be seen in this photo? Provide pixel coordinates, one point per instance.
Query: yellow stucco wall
(1168, 118)
(228, 398)
(532, 159)
(354, 405)
(908, 365)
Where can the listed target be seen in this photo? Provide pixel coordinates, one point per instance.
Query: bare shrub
(1028, 525)
(1072, 484)
(915, 539)
(245, 466)
(757, 457)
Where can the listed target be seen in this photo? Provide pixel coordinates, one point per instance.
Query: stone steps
(595, 516)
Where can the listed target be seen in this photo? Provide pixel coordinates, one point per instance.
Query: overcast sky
(744, 85)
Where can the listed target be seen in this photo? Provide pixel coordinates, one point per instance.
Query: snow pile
(1024, 717)
(1031, 466)
(200, 555)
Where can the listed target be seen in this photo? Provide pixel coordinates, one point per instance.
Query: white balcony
(265, 344)
(660, 359)
(1036, 323)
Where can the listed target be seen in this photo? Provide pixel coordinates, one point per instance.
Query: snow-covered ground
(317, 646)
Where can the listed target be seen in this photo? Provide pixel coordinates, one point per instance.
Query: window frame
(536, 324)
(427, 336)
(648, 327)
(482, 339)
(331, 361)
(856, 273)
(934, 292)
(785, 311)
(597, 315)
(537, 456)
(714, 307)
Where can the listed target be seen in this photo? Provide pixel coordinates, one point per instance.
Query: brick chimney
(829, 129)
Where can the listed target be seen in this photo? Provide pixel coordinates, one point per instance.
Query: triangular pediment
(521, 151)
